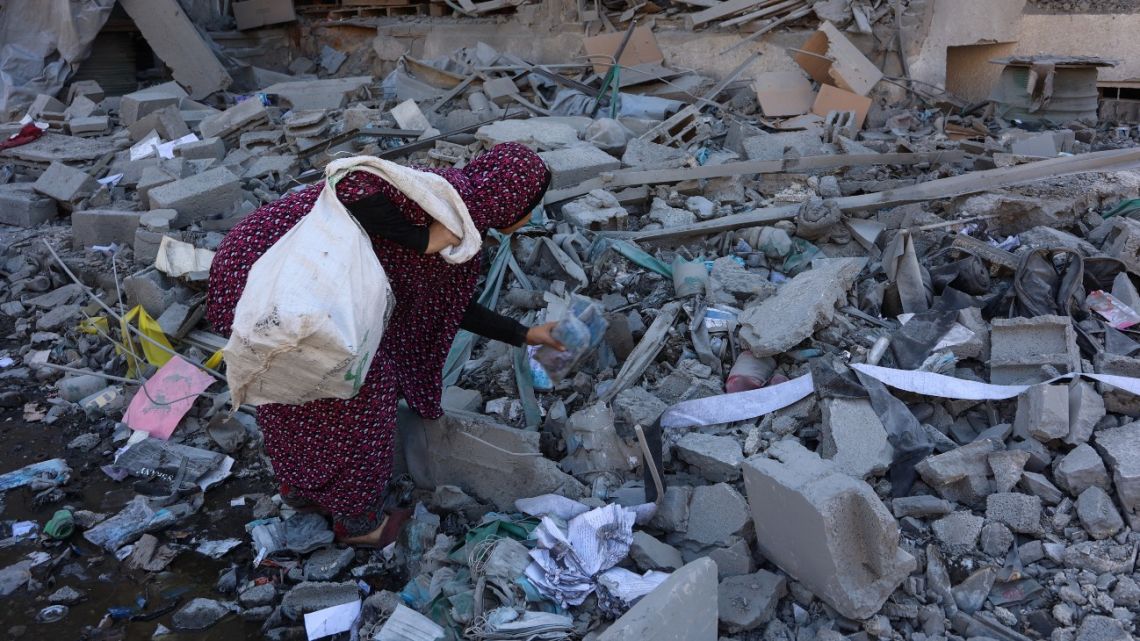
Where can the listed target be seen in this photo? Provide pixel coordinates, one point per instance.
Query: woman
(338, 454)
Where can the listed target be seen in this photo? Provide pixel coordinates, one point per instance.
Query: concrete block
(643, 154)
(1037, 485)
(573, 165)
(45, 106)
(716, 514)
(278, 166)
(243, 114)
(208, 149)
(474, 454)
(854, 438)
(1021, 347)
(1123, 242)
(792, 144)
(146, 245)
(536, 133)
(673, 513)
(732, 284)
(1007, 467)
(158, 219)
(717, 457)
(650, 554)
(88, 125)
(1097, 513)
(972, 459)
(21, 206)
(142, 103)
(167, 122)
(65, 184)
(1043, 413)
(89, 88)
(153, 290)
(749, 600)
(800, 307)
(199, 196)
(152, 178)
(1081, 469)
(826, 529)
(683, 608)
(103, 226)
(731, 560)
(1086, 408)
(1020, 512)
(1120, 448)
(311, 596)
(598, 210)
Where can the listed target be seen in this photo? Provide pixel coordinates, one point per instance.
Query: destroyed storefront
(879, 338)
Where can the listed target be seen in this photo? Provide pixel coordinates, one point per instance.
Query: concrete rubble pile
(888, 348)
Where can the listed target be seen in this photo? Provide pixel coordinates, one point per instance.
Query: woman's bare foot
(372, 539)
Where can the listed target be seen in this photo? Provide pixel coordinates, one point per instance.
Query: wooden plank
(629, 178)
(972, 183)
(175, 40)
(762, 13)
(723, 10)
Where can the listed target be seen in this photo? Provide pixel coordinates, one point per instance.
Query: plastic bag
(579, 333)
(312, 314)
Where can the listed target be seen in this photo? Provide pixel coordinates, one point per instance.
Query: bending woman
(338, 454)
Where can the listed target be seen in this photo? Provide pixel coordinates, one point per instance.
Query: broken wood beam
(725, 9)
(630, 178)
(971, 183)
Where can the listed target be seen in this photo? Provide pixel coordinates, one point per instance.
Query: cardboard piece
(830, 59)
(258, 13)
(783, 93)
(835, 99)
(642, 48)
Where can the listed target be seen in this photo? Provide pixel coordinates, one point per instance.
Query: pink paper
(159, 406)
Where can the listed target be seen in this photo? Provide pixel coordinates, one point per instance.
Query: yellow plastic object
(94, 325)
(214, 361)
(149, 328)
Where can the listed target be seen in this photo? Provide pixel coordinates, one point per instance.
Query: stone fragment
(854, 438)
(1037, 485)
(208, 149)
(826, 529)
(230, 121)
(960, 475)
(996, 539)
(199, 614)
(1126, 593)
(1097, 513)
(326, 564)
(716, 513)
(730, 283)
(971, 593)
(1100, 557)
(800, 307)
(650, 554)
(1120, 448)
(57, 318)
(1020, 512)
(573, 165)
(643, 154)
(921, 506)
(717, 457)
(88, 125)
(636, 406)
(536, 133)
(1043, 413)
(748, 600)
(668, 216)
(673, 513)
(139, 104)
(1007, 466)
(1086, 408)
(258, 595)
(733, 560)
(1081, 469)
(1095, 627)
(21, 206)
(311, 596)
(65, 184)
(597, 210)
(66, 596)
(683, 608)
(958, 533)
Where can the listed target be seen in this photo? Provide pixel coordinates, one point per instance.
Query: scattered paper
(159, 406)
(330, 621)
(176, 258)
(217, 549)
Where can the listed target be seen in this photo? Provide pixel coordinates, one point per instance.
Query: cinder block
(88, 125)
(102, 227)
(1043, 413)
(167, 122)
(826, 529)
(229, 121)
(208, 149)
(1020, 349)
(574, 165)
(138, 105)
(198, 197)
(21, 206)
(65, 184)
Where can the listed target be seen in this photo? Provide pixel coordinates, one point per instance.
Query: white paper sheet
(330, 621)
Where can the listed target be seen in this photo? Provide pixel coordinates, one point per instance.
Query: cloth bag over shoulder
(315, 305)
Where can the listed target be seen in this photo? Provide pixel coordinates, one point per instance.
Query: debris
(683, 608)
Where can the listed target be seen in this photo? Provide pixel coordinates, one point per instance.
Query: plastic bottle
(749, 373)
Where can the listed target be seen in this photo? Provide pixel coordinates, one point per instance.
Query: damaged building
(858, 278)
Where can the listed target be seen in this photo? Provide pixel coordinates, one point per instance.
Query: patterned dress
(338, 453)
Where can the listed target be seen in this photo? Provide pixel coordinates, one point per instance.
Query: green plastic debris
(61, 525)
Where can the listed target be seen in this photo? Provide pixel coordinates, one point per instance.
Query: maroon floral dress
(338, 453)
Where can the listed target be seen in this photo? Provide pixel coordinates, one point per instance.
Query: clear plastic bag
(580, 332)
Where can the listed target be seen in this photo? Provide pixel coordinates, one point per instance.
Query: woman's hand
(541, 335)
(440, 238)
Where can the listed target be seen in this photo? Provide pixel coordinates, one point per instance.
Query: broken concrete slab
(572, 165)
(1081, 469)
(1020, 512)
(854, 438)
(483, 459)
(1097, 513)
(683, 608)
(1120, 448)
(800, 307)
(643, 154)
(66, 185)
(805, 510)
(717, 457)
(1086, 408)
(310, 596)
(958, 533)
(199, 196)
(1037, 485)
(209, 149)
(598, 210)
(778, 146)
(139, 104)
(535, 133)
(228, 122)
(650, 554)
(333, 93)
(92, 227)
(749, 600)
(716, 514)
(1043, 413)
(179, 45)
